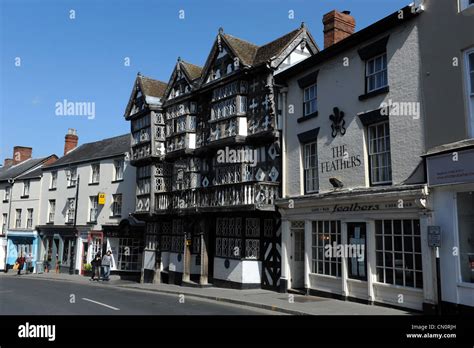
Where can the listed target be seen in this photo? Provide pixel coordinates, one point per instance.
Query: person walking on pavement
(96, 267)
(106, 264)
(21, 261)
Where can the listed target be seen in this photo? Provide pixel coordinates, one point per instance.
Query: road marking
(100, 303)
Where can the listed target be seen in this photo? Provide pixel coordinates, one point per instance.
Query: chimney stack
(337, 26)
(8, 162)
(71, 140)
(21, 154)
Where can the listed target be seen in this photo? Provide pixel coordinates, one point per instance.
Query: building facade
(448, 99)
(87, 196)
(20, 189)
(354, 194)
(211, 216)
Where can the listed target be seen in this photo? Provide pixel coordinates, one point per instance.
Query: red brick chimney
(8, 162)
(337, 26)
(71, 140)
(21, 154)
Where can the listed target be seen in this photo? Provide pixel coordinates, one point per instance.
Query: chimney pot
(337, 26)
(21, 154)
(70, 141)
(8, 162)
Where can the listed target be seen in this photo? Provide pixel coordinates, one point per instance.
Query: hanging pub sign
(101, 198)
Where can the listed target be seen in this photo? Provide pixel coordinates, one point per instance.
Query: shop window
(325, 233)
(68, 252)
(177, 238)
(130, 254)
(398, 252)
(465, 206)
(229, 237)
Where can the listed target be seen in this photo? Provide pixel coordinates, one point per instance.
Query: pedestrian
(96, 267)
(29, 260)
(20, 261)
(106, 263)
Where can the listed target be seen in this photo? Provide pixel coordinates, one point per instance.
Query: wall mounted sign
(338, 122)
(456, 167)
(434, 236)
(364, 207)
(101, 198)
(341, 160)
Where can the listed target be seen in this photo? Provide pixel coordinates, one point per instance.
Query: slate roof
(14, 171)
(92, 151)
(151, 87)
(193, 71)
(32, 175)
(273, 48)
(245, 50)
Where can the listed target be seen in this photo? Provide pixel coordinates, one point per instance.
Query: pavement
(252, 299)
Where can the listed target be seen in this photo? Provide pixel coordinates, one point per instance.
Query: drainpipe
(73, 259)
(12, 182)
(284, 92)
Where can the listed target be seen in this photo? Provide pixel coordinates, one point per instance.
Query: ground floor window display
(370, 250)
(129, 254)
(398, 252)
(465, 211)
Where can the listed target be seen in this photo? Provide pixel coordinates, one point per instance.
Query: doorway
(297, 254)
(357, 240)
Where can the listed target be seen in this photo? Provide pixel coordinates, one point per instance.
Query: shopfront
(367, 246)
(126, 242)
(59, 248)
(451, 180)
(22, 243)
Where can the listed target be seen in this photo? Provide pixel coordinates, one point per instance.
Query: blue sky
(82, 59)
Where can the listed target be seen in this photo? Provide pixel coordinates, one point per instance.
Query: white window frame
(117, 204)
(95, 173)
(320, 263)
(54, 179)
(29, 218)
(372, 153)
(307, 168)
(310, 100)
(51, 210)
(119, 166)
(376, 73)
(470, 89)
(389, 252)
(70, 210)
(6, 198)
(4, 222)
(26, 188)
(18, 218)
(71, 177)
(93, 208)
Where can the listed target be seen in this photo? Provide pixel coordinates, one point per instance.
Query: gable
(222, 61)
(136, 102)
(180, 82)
(298, 49)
